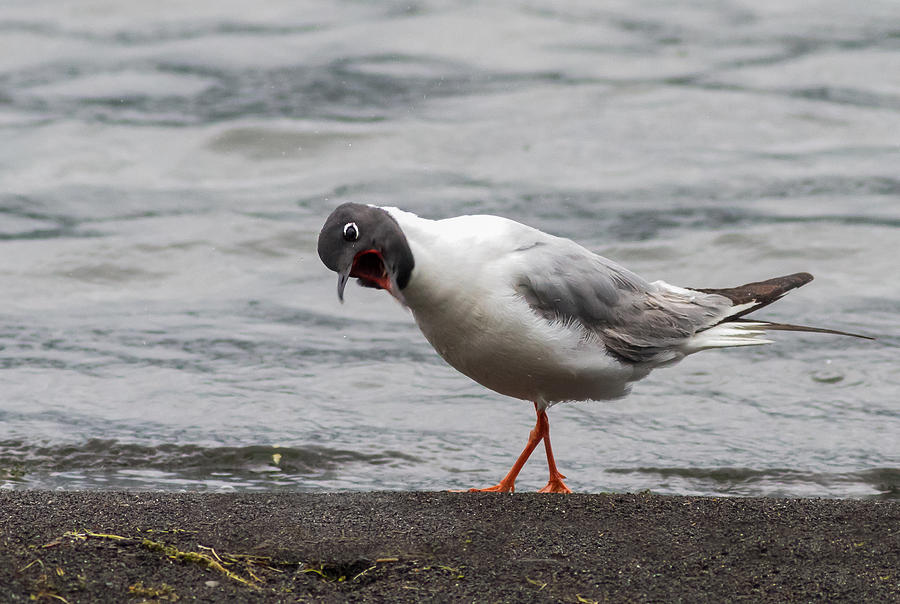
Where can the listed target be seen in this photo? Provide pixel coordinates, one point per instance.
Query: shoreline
(408, 546)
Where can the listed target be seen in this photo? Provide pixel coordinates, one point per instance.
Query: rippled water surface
(165, 322)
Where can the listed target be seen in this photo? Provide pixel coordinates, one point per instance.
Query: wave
(18, 459)
(883, 482)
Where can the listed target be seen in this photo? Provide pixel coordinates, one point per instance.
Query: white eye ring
(351, 231)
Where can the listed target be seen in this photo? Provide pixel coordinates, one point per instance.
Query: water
(164, 170)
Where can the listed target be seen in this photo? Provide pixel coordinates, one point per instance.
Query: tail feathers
(734, 330)
(725, 335)
(742, 332)
(789, 327)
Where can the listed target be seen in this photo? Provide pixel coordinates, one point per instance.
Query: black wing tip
(781, 284)
(799, 279)
(803, 276)
(759, 293)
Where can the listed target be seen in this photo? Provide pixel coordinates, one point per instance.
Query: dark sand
(484, 547)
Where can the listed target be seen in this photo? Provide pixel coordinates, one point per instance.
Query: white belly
(509, 349)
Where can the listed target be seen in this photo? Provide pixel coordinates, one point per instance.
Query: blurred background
(165, 167)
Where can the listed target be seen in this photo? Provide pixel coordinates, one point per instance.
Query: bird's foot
(556, 485)
(501, 487)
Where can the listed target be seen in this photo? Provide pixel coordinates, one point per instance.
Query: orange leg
(540, 432)
(555, 484)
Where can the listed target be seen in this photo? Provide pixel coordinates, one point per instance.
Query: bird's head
(366, 242)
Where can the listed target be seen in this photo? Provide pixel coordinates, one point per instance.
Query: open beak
(369, 267)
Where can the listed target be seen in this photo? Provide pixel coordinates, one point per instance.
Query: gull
(538, 317)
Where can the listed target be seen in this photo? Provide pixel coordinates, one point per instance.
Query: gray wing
(639, 322)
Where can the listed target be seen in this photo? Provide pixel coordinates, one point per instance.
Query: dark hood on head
(367, 243)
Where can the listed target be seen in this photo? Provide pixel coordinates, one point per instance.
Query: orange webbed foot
(556, 485)
(501, 487)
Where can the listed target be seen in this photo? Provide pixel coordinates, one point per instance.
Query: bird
(538, 317)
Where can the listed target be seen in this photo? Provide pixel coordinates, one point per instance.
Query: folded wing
(641, 322)
(637, 321)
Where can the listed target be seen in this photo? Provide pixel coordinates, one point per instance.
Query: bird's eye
(351, 231)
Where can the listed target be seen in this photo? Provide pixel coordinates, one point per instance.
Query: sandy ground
(453, 547)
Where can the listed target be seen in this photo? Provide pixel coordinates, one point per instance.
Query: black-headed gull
(538, 317)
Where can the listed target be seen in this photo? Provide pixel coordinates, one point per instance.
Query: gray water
(165, 322)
